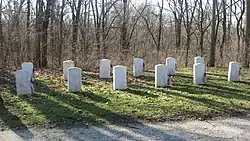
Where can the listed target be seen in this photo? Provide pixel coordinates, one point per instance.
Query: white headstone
(138, 67)
(104, 68)
(171, 65)
(66, 65)
(234, 71)
(29, 67)
(75, 79)
(119, 77)
(198, 59)
(199, 76)
(161, 75)
(24, 86)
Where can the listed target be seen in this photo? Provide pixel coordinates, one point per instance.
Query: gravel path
(222, 129)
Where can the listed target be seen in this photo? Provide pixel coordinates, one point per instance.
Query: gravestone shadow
(136, 90)
(92, 96)
(95, 76)
(190, 91)
(217, 74)
(79, 107)
(243, 82)
(8, 119)
(145, 78)
(13, 122)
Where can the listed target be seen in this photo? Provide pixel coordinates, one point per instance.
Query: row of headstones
(163, 72)
(199, 71)
(73, 74)
(106, 67)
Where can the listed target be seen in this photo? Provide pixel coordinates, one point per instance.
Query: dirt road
(222, 129)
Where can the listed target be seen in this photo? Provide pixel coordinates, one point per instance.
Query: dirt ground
(220, 129)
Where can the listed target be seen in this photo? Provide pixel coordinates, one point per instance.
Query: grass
(99, 103)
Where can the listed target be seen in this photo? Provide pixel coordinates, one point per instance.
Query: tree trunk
(238, 29)
(124, 29)
(28, 54)
(84, 48)
(213, 36)
(60, 47)
(76, 18)
(159, 29)
(3, 50)
(53, 31)
(187, 50)
(224, 27)
(45, 35)
(39, 14)
(247, 38)
(97, 27)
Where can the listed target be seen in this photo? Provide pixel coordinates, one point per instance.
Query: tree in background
(247, 47)
(50, 31)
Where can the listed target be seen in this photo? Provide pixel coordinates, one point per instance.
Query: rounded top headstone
(234, 62)
(160, 65)
(199, 59)
(138, 59)
(196, 64)
(170, 58)
(68, 61)
(74, 68)
(104, 60)
(27, 63)
(119, 66)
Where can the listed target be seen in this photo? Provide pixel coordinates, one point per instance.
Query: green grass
(99, 103)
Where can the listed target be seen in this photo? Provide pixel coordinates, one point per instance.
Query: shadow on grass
(7, 118)
(218, 106)
(150, 71)
(91, 96)
(12, 121)
(7, 79)
(66, 109)
(243, 82)
(191, 92)
(186, 76)
(62, 108)
(93, 75)
(217, 74)
(145, 78)
(106, 79)
(136, 90)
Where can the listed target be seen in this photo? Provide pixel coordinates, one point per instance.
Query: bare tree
(75, 11)
(28, 30)
(224, 27)
(247, 38)
(177, 10)
(45, 24)
(2, 55)
(159, 28)
(213, 36)
(188, 22)
(202, 24)
(124, 30)
(60, 46)
(39, 14)
(97, 24)
(239, 5)
(118, 29)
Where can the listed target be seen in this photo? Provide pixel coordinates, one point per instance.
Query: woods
(47, 32)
